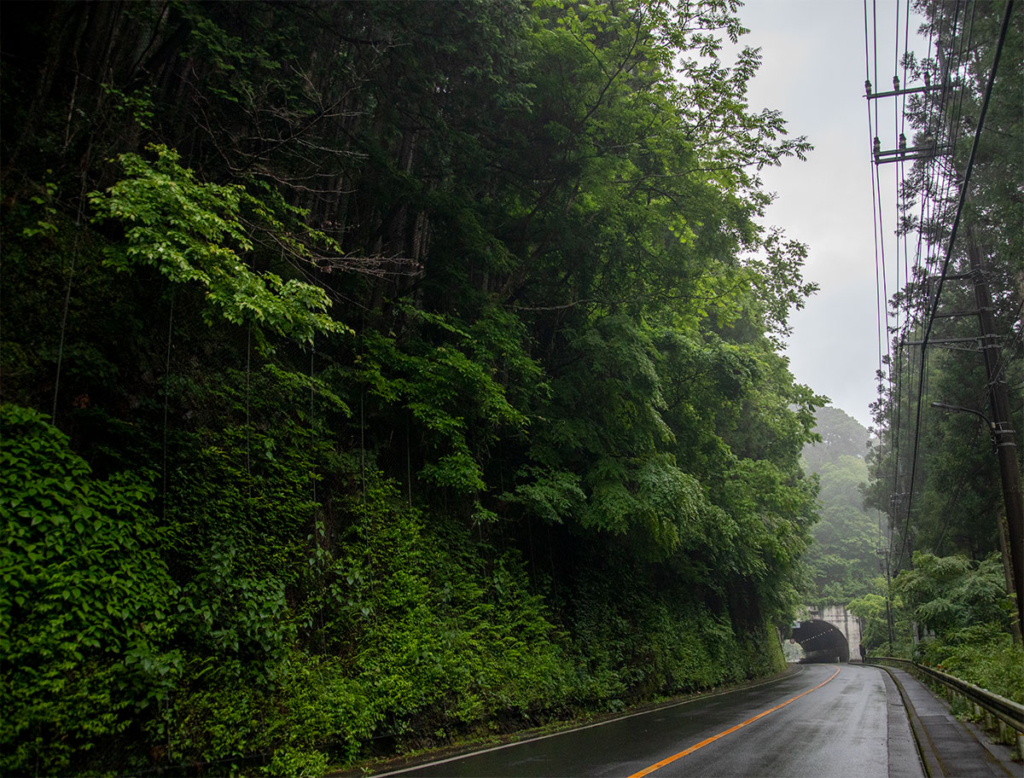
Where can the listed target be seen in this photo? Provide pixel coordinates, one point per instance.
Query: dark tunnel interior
(821, 641)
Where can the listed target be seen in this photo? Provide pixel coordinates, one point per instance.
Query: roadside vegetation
(953, 614)
(950, 612)
(935, 473)
(377, 373)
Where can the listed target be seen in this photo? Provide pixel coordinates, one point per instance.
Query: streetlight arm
(960, 409)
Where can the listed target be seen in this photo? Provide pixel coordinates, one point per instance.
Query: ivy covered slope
(378, 372)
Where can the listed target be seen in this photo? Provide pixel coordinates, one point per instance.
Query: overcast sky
(813, 71)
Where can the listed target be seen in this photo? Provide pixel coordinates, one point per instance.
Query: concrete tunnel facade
(821, 641)
(828, 633)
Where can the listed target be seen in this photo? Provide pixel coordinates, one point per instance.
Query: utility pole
(1004, 547)
(1004, 438)
(888, 602)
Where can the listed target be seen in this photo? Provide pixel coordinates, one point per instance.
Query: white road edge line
(503, 746)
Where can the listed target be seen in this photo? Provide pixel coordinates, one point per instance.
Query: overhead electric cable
(874, 208)
(881, 280)
(949, 253)
(900, 108)
(939, 191)
(946, 131)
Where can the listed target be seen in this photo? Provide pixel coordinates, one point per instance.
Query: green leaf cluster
(85, 599)
(951, 613)
(200, 232)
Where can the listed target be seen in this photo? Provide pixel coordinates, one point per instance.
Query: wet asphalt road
(838, 729)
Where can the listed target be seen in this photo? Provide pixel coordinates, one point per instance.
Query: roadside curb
(947, 747)
(925, 748)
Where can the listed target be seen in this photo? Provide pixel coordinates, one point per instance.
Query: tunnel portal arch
(821, 641)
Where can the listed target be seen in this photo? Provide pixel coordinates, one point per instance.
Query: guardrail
(997, 710)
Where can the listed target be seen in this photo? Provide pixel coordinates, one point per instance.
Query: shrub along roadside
(85, 603)
(963, 605)
(983, 655)
(404, 635)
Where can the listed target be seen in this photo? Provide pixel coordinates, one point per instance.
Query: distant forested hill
(843, 558)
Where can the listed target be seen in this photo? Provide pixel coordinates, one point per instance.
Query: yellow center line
(713, 738)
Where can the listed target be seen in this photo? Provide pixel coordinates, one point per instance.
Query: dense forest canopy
(372, 371)
(935, 473)
(944, 459)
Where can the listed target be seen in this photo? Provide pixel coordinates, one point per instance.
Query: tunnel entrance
(821, 641)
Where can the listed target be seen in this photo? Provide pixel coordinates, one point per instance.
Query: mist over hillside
(842, 560)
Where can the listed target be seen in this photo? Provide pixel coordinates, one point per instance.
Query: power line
(874, 207)
(895, 383)
(949, 255)
(954, 30)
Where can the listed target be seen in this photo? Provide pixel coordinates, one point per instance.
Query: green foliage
(453, 390)
(551, 495)
(645, 633)
(313, 709)
(947, 593)
(943, 607)
(43, 227)
(448, 636)
(85, 599)
(843, 560)
(196, 232)
(982, 654)
(870, 608)
(543, 223)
